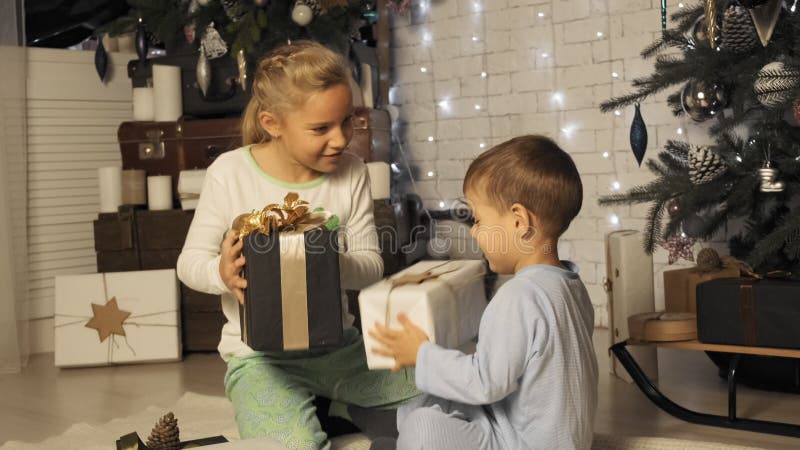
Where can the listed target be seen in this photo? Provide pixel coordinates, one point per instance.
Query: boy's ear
(523, 218)
(270, 123)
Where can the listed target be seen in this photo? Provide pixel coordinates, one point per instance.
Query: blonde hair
(533, 171)
(284, 80)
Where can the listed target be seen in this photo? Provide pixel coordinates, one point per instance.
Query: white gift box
(139, 312)
(448, 308)
(190, 183)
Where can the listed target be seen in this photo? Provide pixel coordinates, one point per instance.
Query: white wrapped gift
(117, 318)
(444, 298)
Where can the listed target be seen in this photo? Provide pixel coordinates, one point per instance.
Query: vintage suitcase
(629, 283)
(372, 135)
(166, 148)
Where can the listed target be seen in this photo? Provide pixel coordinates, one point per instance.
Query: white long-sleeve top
(235, 184)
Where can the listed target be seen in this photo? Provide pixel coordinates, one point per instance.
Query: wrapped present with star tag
(293, 299)
(117, 318)
(445, 299)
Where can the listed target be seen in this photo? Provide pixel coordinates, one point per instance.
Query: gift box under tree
(749, 311)
(445, 299)
(293, 299)
(117, 318)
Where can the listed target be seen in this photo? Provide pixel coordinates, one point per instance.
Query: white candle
(159, 192)
(143, 108)
(110, 184)
(134, 191)
(379, 180)
(167, 97)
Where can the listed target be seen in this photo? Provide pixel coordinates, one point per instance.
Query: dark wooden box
(159, 259)
(115, 231)
(118, 261)
(162, 230)
(201, 320)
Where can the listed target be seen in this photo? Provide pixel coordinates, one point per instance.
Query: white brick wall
(516, 97)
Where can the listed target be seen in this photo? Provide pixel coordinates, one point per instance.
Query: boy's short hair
(533, 171)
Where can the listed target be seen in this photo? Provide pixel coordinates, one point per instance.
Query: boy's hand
(402, 345)
(231, 262)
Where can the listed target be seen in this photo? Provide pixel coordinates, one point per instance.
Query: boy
(532, 382)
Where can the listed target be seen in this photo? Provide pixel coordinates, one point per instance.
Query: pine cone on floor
(165, 434)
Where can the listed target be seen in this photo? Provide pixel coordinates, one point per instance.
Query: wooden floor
(43, 401)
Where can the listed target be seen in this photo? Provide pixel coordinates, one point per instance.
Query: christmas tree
(736, 63)
(255, 26)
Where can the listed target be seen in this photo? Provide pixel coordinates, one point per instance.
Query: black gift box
(750, 312)
(281, 312)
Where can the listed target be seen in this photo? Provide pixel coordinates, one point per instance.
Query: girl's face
(316, 133)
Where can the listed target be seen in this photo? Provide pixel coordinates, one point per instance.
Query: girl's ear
(270, 123)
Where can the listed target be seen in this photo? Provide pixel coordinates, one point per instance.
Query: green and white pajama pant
(272, 392)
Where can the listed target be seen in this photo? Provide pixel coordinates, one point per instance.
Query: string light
(423, 69)
(441, 204)
(614, 75)
(599, 34)
(482, 145)
(617, 113)
(394, 167)
(483, 74)
(615, 185)
(477, 107)
(430, 138)
(474, 38)
(680, 5)
(605, 154)
(541, 15)
(614, 219)
(430, 173)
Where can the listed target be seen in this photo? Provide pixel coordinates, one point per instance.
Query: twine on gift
(428, 275)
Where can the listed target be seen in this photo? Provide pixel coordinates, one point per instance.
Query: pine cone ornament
(775, 83)
(704, 165)
(708, 260)
(738, 32)
(165, 434)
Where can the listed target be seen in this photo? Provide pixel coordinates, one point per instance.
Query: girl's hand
(231, 262)
(402, 345)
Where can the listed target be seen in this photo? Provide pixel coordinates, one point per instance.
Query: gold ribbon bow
(292, 215)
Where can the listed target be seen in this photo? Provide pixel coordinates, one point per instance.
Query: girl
(295, 130)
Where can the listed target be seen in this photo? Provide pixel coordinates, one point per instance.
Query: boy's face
(495, 232)
(317, 133)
